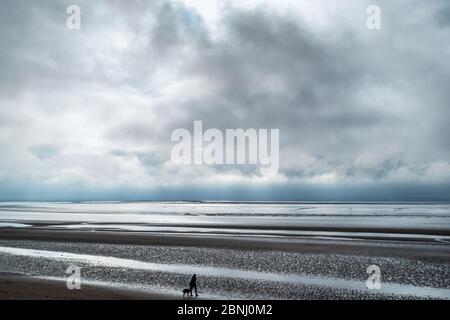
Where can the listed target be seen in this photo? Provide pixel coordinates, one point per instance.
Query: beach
(238, 251)
(18, 287)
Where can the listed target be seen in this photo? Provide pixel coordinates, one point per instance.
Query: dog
(186, 292)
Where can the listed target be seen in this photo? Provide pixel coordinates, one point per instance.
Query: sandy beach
(18, 287)
(237, 261)
(230, 268)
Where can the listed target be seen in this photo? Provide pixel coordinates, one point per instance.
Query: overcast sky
(88, 114)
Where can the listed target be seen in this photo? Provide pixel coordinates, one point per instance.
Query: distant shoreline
(232, 201)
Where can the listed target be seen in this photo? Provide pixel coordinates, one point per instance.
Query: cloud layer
(88, 114)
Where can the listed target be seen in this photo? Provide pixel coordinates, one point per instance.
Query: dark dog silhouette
(186, 292)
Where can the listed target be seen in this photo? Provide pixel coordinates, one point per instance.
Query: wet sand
(157, 266)
(432, 251)
(18, 287)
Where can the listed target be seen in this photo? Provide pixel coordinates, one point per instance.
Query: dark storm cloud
(176, 26)
(443, 14)
(273, 73)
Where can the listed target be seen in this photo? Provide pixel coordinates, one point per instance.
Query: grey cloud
(177, 26)
(317, 79)
(361, 105)
(443, 14)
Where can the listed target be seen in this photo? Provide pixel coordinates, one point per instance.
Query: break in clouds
(88, 114)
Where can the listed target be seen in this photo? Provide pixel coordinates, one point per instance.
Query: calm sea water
(271, 219)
